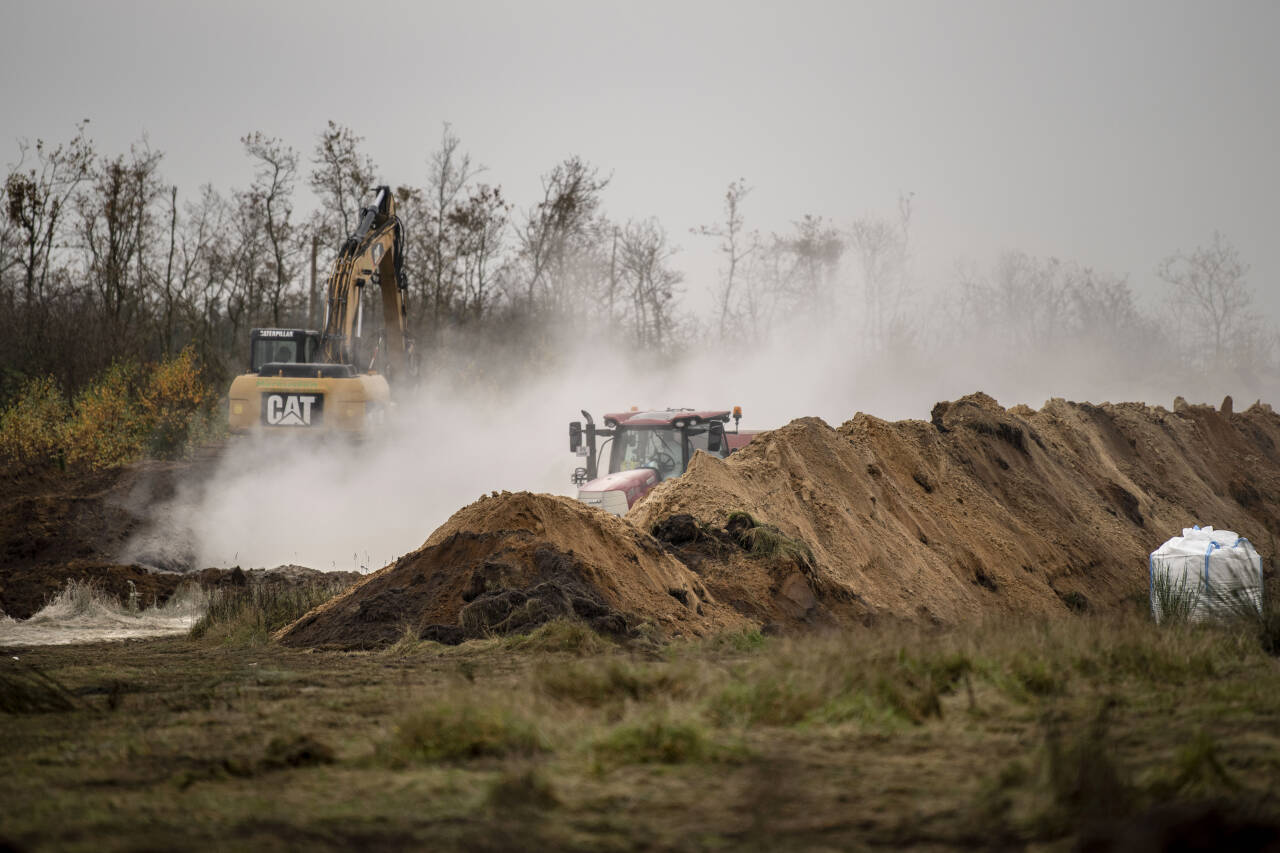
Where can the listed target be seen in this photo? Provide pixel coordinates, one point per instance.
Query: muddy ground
(63, 526)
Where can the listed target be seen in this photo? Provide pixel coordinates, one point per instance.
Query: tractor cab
(282, 346)
(644, 449)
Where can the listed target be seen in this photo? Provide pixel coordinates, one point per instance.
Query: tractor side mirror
(575, 436)
(714, 440)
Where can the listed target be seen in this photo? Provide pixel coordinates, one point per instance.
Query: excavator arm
(372, 256)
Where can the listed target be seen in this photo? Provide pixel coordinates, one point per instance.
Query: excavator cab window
(282, 346)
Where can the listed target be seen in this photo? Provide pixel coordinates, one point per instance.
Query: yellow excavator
(326, 382)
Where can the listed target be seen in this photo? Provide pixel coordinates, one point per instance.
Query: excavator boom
(373, 255)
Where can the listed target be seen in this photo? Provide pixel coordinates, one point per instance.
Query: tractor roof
(666, 417)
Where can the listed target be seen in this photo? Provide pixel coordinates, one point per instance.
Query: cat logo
(292, 410)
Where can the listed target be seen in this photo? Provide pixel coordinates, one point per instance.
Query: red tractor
(645, 448)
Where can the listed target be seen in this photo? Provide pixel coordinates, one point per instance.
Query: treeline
(103, 261)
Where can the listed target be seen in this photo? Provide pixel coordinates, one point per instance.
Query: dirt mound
(509, 562)
(981, 510)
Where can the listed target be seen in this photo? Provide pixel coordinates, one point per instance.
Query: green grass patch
(560, 635)
(598, 683)
(834, 683)
(458, 731)
(767, 541)
(657, 739)
(766, 697)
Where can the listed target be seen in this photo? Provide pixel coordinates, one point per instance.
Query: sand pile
(510, 562)
(982, 510)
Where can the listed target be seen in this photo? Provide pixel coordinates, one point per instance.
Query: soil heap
(981, 511)
(509, 562)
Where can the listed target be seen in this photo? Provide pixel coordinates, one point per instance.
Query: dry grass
(1009, 734)
(251, 613)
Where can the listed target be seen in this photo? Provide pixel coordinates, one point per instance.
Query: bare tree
(276, 167)
(645, 260)
(735, 244)
(479, 223)
(341, 177)
(815, 248)
(1211, 283)
(115, 217)
(882, 249)
(451, 173)
(36, 198)
(558, 231)
(201, 282)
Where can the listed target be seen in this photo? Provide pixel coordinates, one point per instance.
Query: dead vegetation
(1012, 733)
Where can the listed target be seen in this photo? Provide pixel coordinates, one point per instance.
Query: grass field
(1090, 731)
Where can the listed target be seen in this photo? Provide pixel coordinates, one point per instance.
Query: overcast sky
(1110, 133)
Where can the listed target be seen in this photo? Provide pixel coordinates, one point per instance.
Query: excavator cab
(282, 346)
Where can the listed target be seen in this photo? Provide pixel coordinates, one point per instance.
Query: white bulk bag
(1203, 572)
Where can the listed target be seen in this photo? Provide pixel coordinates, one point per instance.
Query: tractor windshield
(659, 448)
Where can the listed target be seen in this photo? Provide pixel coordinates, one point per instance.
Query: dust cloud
(465, 431)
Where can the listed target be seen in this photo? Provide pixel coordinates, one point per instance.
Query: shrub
(172, 403)
(745, 640)
(837, 682)
(107, 428)
(31, 427)
(123, 414)
(1034, 675)
(765, 697)
(300, 750)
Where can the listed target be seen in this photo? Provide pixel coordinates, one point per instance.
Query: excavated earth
(978, 513)
(984, 510)
(512, 561)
